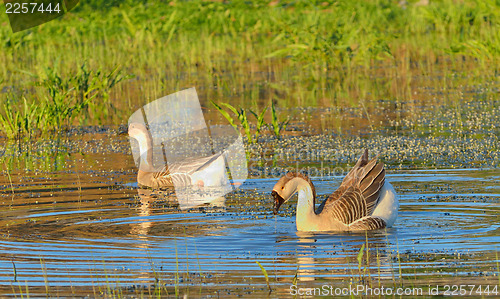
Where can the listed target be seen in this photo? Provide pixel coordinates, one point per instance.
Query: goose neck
(146, 152)
(305, 205)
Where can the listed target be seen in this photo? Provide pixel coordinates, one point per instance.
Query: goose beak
(278, 201)
(122, 131)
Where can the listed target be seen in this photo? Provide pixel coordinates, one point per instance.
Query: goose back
(358, 195)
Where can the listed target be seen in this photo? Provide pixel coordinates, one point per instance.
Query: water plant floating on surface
(364, 200)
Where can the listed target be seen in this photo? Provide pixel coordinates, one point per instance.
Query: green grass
(63, 101)
(277, 126)
(305, 53)
(252, 132)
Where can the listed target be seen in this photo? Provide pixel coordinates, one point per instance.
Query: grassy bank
(305, 53)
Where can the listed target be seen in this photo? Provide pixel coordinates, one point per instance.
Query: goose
(200, 172)
(364, 200)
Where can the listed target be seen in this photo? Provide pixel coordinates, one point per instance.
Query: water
(83, 229)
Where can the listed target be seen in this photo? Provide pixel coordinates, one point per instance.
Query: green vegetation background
(105, 59)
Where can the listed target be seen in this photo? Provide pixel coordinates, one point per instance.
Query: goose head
(139, 132)
(287, 186)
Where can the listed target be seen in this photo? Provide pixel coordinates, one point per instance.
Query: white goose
(206, 171)
(364, 200)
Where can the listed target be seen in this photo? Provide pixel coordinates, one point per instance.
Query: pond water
(82, 228)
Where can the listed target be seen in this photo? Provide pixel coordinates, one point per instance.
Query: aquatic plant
(264, 272)
(25, 121)
(240, 114)
(45, 276)
(359, 258)
(498, 266)
(59, 104)
(98, 84)
(277, 126)
(62, 101)
(260, 122)
(76, 93)
(328, 53)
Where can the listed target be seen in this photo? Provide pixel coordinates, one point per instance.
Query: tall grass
(329, 53)
(61, 102)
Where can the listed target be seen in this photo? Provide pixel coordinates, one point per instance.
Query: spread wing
(358, 195)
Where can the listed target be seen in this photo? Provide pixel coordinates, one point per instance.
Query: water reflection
(165, 201)
(79, 225)
(314, 255)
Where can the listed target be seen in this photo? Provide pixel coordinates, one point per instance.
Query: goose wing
(358, 195)
(179, 174)
(166, 178)
(192, 165)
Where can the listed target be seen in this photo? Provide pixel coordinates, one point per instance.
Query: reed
(202, 276)
(276, 126)
(259, 117)
(27, 289)
(301, 53)
(176, 270)
(62, 101)
(368, 259)
(359, 258)
(399, 264)
(15, 271)
(498, 267)
(266, 276)
(12, 199)
(241, 116)
(45, 276)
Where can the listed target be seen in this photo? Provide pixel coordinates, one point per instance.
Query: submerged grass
(305, 53)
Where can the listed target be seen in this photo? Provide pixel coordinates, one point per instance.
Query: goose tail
(388, 205)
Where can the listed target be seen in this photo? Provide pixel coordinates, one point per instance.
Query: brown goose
(364, 200)
(198, 171)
